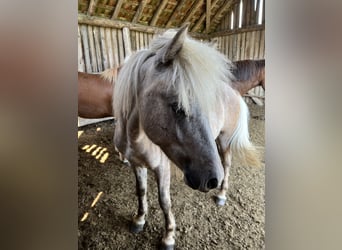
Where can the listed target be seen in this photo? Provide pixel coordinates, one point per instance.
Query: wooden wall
(100, 48)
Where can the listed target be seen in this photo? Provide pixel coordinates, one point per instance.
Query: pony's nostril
(212, 183)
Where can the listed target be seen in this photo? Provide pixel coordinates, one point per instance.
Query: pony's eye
(177, 110)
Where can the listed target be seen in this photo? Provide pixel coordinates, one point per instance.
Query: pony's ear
(171, 49)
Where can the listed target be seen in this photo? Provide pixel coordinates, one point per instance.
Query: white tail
(240, 143)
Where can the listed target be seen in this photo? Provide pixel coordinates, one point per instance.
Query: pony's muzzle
(200, 183)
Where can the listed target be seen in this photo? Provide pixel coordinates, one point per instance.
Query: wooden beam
(224, 8)
(157, 13)
(117, 9)
(198, 23)
(92, 6)
(193, 11)
(207, 19)
(139, 11)
(201, 19)
(104, 22)
(230, 32)
(175, 12)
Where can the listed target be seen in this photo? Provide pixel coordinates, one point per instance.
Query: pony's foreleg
(141, 188)
(227, 162)
(163, 178)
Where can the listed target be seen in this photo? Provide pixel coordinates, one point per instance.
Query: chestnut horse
(248, 74)
(95, 94)
(173, 102)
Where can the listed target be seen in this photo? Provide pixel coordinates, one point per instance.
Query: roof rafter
(175, 12)
(201, 19)
(193, 11)
(225, 8)
(92, 6)
(117, 9)
(157, 13)
(139, 11)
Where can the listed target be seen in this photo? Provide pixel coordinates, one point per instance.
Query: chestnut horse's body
(248, 75)
(95, 93)
(174, 103)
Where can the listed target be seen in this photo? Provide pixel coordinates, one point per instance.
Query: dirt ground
(107, 201)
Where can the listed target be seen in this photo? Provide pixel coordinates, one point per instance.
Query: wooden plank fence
(100, 48)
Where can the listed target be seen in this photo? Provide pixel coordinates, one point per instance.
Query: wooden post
(127, 41)
(110, 48)
(141, 39)
(262, 45)
(120, 47)
(133, 43)
(115, 45)
(96, 31)
(257, 44)
(243, 46)
(84, 37)
(252, 44)
(81, 66)
(234, 37)
(137, 40)
(104, 48)
(92, 49)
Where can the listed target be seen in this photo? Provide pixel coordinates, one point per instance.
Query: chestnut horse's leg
(163, 178)
(141, 188)
(226, 163)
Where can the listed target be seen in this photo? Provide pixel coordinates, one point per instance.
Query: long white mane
(199, 74)
(125, 89)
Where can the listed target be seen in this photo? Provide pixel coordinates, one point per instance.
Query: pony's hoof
(136, 228)
(166, 247)
(220, 201)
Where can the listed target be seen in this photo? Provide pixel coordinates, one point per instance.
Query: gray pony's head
(180, 82)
